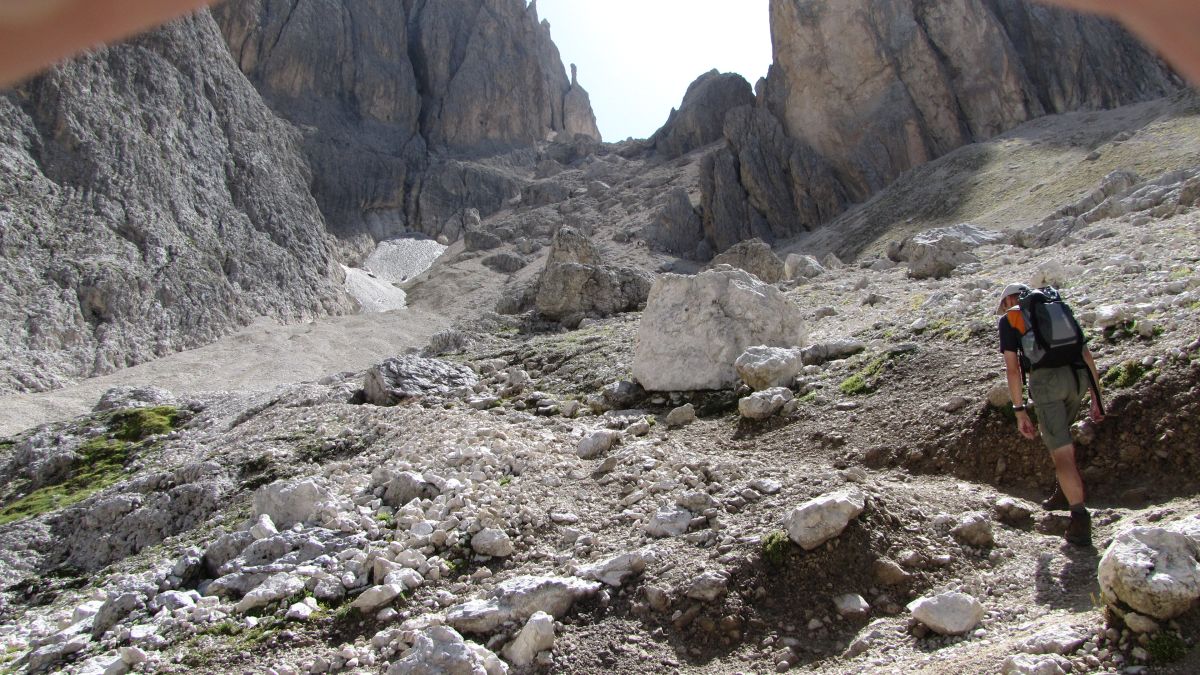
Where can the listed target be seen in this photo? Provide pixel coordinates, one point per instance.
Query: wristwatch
(1018, 408)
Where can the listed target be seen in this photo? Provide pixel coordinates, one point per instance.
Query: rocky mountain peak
(383, 88)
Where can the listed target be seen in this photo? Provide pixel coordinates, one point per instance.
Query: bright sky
(636, 58)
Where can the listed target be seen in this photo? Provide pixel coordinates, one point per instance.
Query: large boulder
(936, 252)
(1154, 570)
(754, 256)
(288, 503)
(700, 118)
(799, 266)
(571, 292)
(277, 587)
(695, 327)
(676, 227)
(569, 245)
(404, 377)
(575, 285)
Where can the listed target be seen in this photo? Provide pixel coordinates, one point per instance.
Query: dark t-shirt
(1010, 338)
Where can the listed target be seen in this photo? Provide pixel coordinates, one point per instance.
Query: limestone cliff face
(149, 201)
(879, 87)
(379, 86)
(863, 90)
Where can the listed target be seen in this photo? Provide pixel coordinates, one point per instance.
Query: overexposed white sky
(636, 58)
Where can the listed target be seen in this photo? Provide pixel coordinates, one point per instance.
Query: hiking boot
(1079, 532)
(1057, 501)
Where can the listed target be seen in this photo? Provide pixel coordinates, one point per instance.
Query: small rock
(493, 542)
(597, 443)
(851, 605)
(708, 586)
(681, 416)
(975, 529)
(950, 613)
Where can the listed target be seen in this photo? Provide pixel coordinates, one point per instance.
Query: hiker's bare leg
(1067, 472)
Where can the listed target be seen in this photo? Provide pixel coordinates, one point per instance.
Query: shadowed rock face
(879, 87)
(378, 85)
(149, 202)
(701, 116)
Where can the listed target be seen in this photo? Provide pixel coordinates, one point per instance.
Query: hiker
(1056, 392)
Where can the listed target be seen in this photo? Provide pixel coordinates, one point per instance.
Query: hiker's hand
(1025, 426)
(1096, 415)
(36, 33)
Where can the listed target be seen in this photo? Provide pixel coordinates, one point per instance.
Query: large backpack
(1050, 335)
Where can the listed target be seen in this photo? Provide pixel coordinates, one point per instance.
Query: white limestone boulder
(597, 443)
(493, 542)
(851, 606)
(799, 266)
(936, 252)
(819, 520)
(615, 570)
(536, 636)
(763, 404)
(441, 650)
(291, 502)
(695, 327)
(950, 613)
(376, 597)
(1055, 639)
(518, 599)
(764, 367)
(406, 486)
(1036, 664)
(276, 587)
(1154, 570)
(263, 528)
(669, 521)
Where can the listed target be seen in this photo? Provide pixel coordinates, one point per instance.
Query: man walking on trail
(1057, 393)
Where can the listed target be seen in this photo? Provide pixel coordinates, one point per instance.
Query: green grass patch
(810, 397)
(1125, 374)
(99, 463)
(1180, 273)
(1166, 647)
(863, 382)
(135, 424)
(855, 385)
(775, 547)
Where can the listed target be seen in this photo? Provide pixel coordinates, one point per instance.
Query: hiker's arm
(37, 33)
(1016, 389)
(1097, 415)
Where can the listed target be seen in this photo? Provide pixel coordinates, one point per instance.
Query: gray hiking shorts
(1057, 394)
